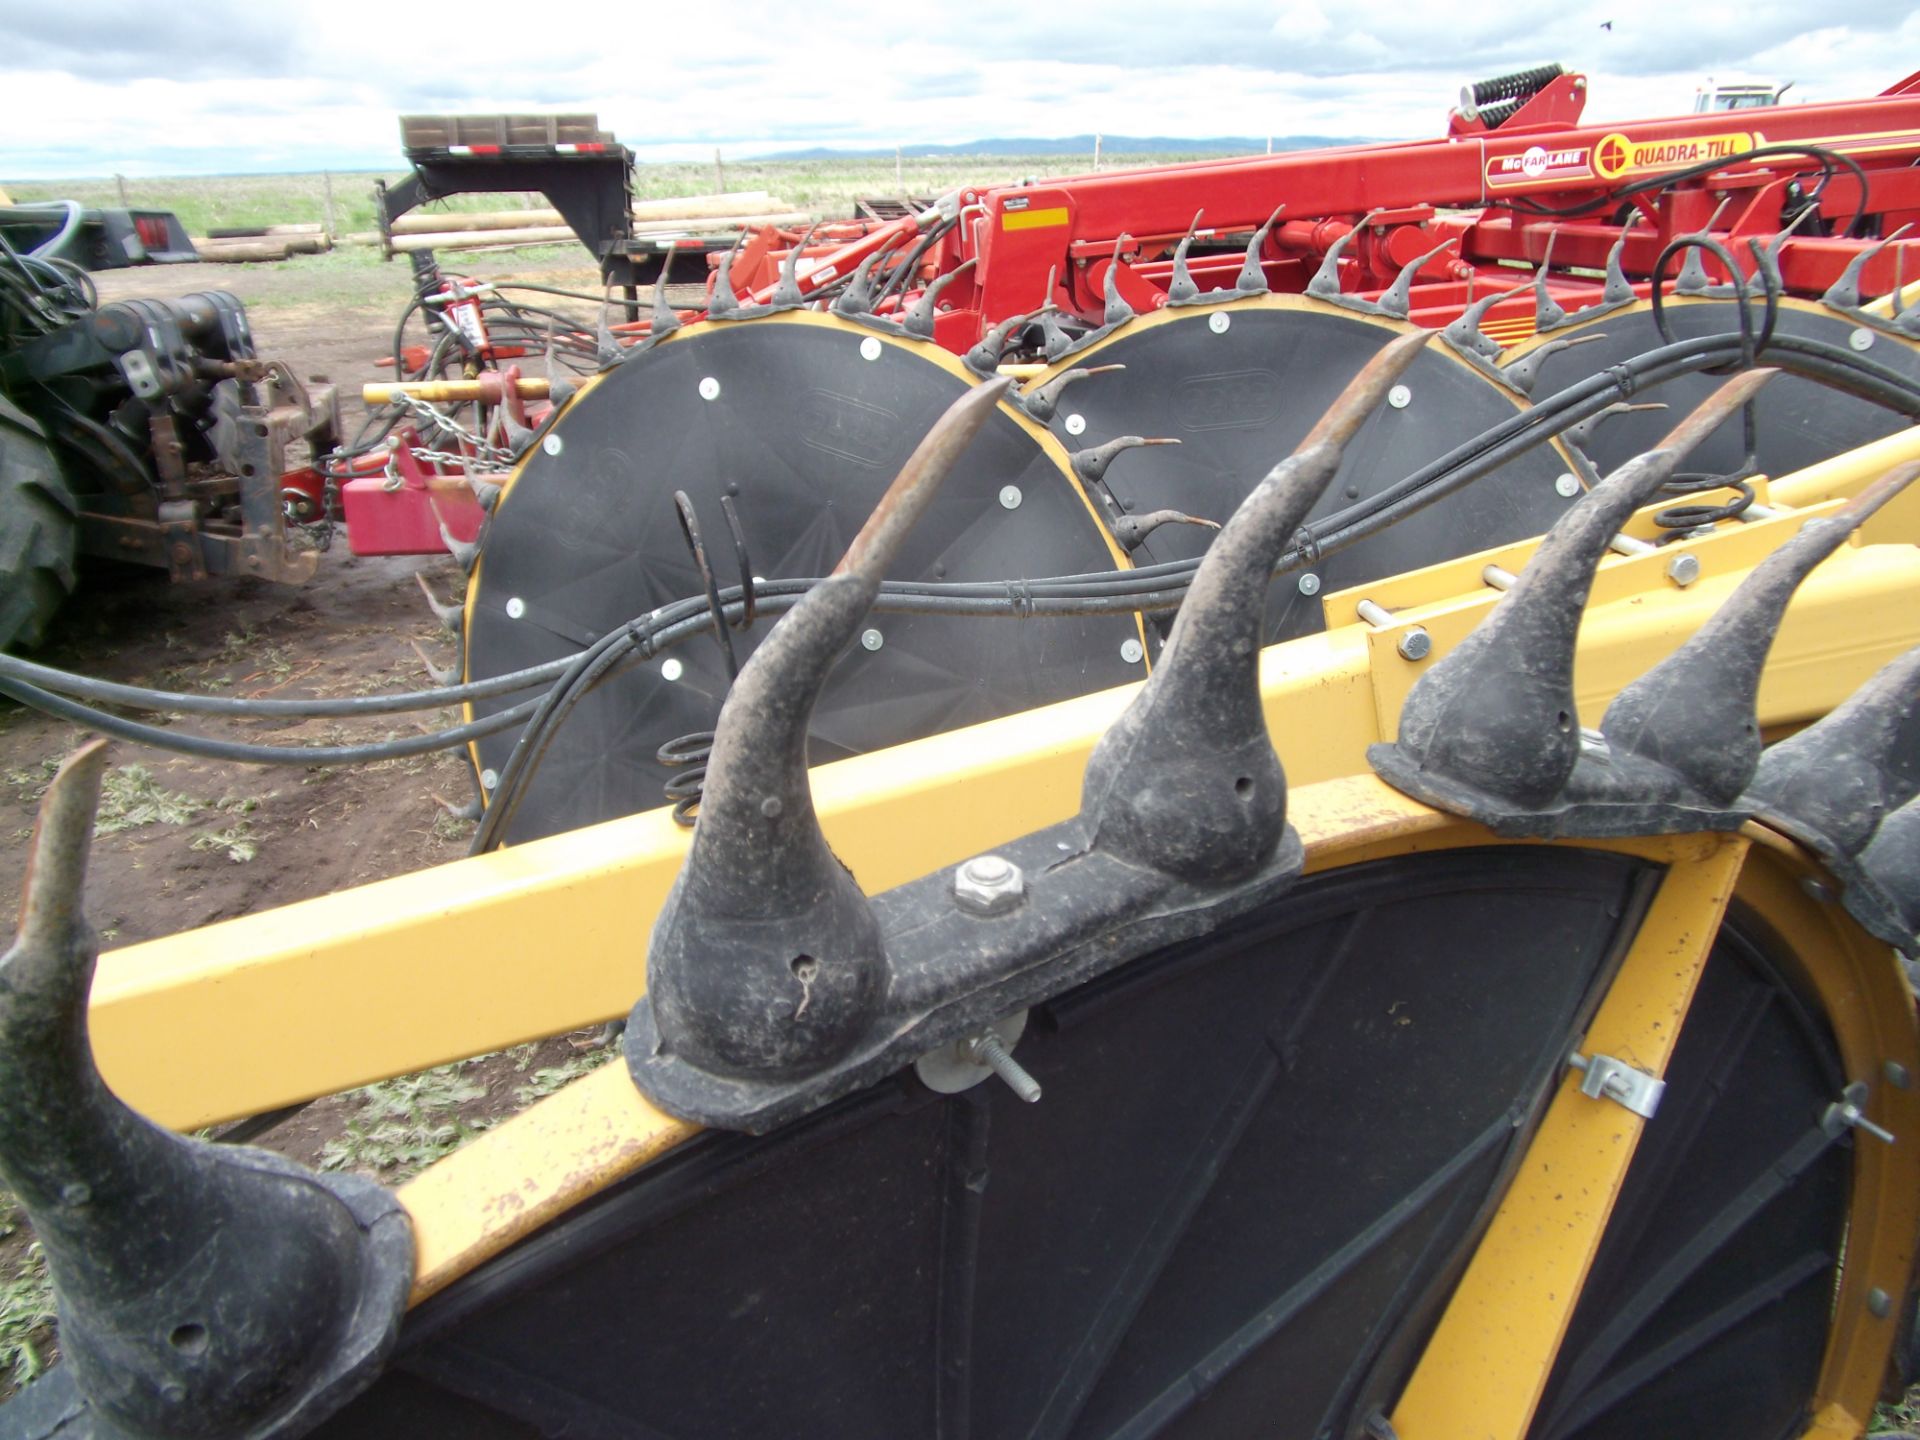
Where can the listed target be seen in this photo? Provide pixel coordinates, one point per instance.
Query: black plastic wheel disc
(1240, 395)
(804, 420)
(1798, 422)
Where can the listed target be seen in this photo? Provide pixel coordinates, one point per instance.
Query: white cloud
(101, 86)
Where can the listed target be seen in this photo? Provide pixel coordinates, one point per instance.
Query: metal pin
(1498, 578)
(986, 1049)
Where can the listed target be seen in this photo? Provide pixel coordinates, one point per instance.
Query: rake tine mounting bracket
(1491, 732)
(1182, 826)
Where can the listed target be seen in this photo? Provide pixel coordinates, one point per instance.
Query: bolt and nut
(988, 885)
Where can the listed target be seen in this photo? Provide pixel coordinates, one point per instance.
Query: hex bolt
(1683, 569)
(1010, 497)
(1416, 644)
(1309, 584)
(516, 607)
(989, 885)
(552, 445)
(986, 1049)
(1567, 485)
(872, 639)
(1399, 397)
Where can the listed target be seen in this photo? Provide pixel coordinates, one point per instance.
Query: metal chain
(491, 456)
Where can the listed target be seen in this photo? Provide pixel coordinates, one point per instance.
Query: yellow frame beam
(345, 989)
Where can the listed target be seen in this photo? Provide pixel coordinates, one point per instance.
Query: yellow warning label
(1033, 219)
(1618, 155)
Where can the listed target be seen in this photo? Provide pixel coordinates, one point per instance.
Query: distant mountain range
(1079, 145)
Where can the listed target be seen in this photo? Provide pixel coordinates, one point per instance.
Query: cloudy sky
(95, 87)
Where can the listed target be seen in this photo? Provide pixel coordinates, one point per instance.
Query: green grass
(403, 1125)
(26, 1304)
(825, 188)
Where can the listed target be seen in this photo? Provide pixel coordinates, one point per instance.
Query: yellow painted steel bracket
(345, 989)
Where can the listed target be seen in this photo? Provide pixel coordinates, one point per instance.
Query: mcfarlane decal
(1618, 155)
(1537, 164)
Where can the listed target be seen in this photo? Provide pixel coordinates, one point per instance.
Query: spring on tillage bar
(688, 754)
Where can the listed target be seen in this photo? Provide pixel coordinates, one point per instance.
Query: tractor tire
(39, 528)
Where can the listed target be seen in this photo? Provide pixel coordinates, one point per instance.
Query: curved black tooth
(1132, 530)
(786, 294)
(1497, 716)
(485, 491)
(1465, 334)
(765, 963)
(1693, 278)
(441, 675)
(918, 322)
(203, 1290)
(984, 357)
(1397, 300)
(1523, 373)
(465, 551)
(560, 391)
(1253, 273)
(722, 301)
(1834, 782)
(1844, 293)
(857, 298)
(1186, 781)
(1326, 280)
(1695, 712)
(1043, 403)
(1092, 464)
(1548, 314)
(666, 319)
(1117, 311)
(1583, 432)
(1618, 289)
(1181, 289)
(606, 350)
(449, 616)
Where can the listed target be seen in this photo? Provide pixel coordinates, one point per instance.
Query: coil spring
(689, 753)
(1517, 86)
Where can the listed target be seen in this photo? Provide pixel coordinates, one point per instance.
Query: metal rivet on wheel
(870, 348)
(1879, 1303)
(489, 779)
(1131, 652)
(1897, 1075)
(872, 639)
(1219, 322)
(1010, 497)
(516, 607)
(671, 669)
(1399, 397)
(1567, 485)
(1076, 424)
(709, 388)
(552, 445)
(1861, 339)
(1309, 584)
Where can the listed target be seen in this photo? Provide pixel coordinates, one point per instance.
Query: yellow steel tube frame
(348, 988)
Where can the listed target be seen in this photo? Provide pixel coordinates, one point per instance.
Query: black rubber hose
(241, 753)
(139, 697)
